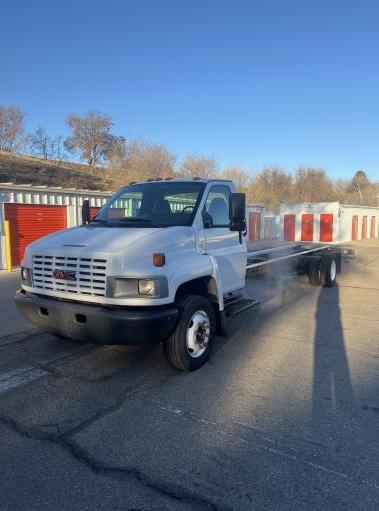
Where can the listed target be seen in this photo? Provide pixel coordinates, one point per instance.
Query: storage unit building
(255, 222)
(328, 222)
(35, 211)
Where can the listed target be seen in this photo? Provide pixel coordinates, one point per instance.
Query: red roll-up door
(254, 226)
(326, 227)
(373, 227)
(28, 222)
(354, 228)
(307, 227)
(93, 211)
(289, 227)
(364, 227)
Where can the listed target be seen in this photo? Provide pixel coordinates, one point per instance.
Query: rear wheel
(190, 345)
(328, 270)
(323, 271)
(315, 272)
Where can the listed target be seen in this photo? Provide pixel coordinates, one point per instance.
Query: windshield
(157, 204)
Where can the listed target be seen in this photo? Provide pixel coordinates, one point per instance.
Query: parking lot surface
(285, 415)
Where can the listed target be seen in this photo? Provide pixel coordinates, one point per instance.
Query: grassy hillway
(21, 169)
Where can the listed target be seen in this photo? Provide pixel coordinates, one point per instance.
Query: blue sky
(250, 82)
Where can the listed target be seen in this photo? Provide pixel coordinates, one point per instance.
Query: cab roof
(182, 180)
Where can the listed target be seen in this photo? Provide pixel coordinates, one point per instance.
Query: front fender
(197, 266)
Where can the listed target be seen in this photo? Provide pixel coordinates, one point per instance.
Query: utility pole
(359, 192)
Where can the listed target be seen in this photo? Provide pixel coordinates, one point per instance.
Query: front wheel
(190, 345)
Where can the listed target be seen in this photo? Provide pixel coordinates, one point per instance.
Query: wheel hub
(198, 334)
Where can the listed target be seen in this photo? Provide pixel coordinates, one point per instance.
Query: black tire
(315, 275)
(175, 347)
(328, 270)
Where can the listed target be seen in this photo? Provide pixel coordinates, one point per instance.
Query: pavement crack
(172, 491)
(69, 445)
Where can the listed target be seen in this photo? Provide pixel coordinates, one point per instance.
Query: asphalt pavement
(285, 415)
(11, 321)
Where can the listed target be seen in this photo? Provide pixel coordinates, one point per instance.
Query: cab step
(237, 306)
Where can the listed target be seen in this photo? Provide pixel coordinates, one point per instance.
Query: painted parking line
(20, 377)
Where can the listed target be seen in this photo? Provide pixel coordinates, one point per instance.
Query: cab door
(221, 242)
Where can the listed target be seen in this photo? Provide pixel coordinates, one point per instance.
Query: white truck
(163, 260)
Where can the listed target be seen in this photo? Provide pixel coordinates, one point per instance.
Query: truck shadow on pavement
(332, 386)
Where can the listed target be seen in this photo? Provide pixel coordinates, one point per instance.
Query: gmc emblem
(64, 275)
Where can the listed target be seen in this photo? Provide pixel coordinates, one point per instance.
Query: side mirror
(237, 212)
(86, 214)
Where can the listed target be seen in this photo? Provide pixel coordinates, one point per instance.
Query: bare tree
(116, 154)
(271, 186)
(150, 160)
(240, 177)
(159, 160)
(11, 128)
(56, 148)
(313, 185)
(196, 165)
(342, 189)
(140, 160)
(360, 186)
(40, 143)
(90, 136)
(360, 177)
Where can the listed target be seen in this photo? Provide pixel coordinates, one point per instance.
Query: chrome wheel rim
(333, 270)
(198, 334)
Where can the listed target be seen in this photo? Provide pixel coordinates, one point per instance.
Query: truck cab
(155, 264)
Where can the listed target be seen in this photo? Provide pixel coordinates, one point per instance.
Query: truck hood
(94, 238)
(121, 245)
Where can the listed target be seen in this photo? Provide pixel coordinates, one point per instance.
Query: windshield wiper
(141, 221)
(135, 220)
(99, 221)
(132, 221)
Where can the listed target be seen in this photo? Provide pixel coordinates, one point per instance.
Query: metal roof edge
(358, 206)
(59, 189)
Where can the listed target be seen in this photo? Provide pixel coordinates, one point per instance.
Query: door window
(216, 210)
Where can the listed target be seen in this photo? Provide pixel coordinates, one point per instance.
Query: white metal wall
(346, 219)
(24, 194)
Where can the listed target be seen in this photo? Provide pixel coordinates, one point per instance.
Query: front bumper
(98, 324)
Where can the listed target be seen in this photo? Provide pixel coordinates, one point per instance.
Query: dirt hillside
(21, 169)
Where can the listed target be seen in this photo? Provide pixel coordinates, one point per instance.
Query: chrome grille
(89, 275)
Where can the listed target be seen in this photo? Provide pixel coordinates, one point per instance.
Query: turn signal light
(159, 259)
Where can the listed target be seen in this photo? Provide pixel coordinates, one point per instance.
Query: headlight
(151, 287)
(26, 276)
(146, 287)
